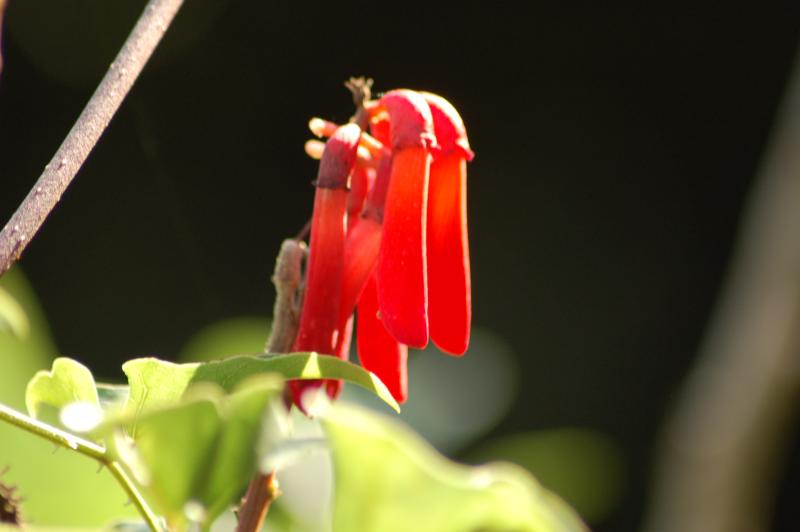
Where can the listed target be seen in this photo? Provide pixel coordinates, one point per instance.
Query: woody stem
(82, 138)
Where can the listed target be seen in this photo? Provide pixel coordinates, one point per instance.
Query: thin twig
(86, 448)
(83, 136)
(721, 455)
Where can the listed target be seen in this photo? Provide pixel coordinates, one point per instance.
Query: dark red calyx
(339, 157)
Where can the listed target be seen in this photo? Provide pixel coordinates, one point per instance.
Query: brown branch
(263, 489)
(722, 451)
(83, 136)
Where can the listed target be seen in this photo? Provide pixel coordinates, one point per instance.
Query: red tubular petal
(359, 186)
(449, 297)
(360, 256)
(377, 350)
(319, 319)
(402, 270)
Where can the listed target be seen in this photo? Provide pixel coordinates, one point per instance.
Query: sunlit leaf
(155, 383)
(22, 356)
(59, 487)
(388, 479)
(584, 467)
(12, 316)
(68, 382)
(200, 453)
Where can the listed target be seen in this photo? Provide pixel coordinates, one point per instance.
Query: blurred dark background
(615, 147)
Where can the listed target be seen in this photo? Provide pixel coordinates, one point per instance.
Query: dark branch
(83, 136)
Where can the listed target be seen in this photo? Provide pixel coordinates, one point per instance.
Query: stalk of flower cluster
(319, 319)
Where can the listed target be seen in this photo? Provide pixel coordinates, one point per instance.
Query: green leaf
(155, 383)
(198, 455)
(12, 316)
(583, 466)
(387, 478)
(112, 396)
(22, 356)
(66, 383)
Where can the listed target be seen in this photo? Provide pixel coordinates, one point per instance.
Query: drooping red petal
(449, 294)
(319, 319)
(360, 256)
(378, 351)
(402, 269)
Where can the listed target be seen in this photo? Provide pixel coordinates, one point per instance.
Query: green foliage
(59, 487)
(388, 479)
(155, 382)
(22, 355)
(192, 435)
(66, 383)
(196, 457)
(12, 317)
(583, 466)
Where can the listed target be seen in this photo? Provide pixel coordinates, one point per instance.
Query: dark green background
(615, 146)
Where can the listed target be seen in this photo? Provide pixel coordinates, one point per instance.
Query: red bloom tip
(448, 126)
(339, 158)
(378, 351)
(411, 123)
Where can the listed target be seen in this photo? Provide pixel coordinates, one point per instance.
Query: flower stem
(86, 448)
(263, 489)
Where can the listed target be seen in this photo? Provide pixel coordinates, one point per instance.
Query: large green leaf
(68, 382)
(195, 457)
(155, 383)
(387, 478)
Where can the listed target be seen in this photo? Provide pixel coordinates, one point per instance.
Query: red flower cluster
(389, 238)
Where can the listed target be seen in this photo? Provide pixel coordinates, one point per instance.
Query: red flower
(395, 246)
(449, 291)
(319, 328)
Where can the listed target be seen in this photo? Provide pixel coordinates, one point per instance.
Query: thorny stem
(83, 136)
(86, 448)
